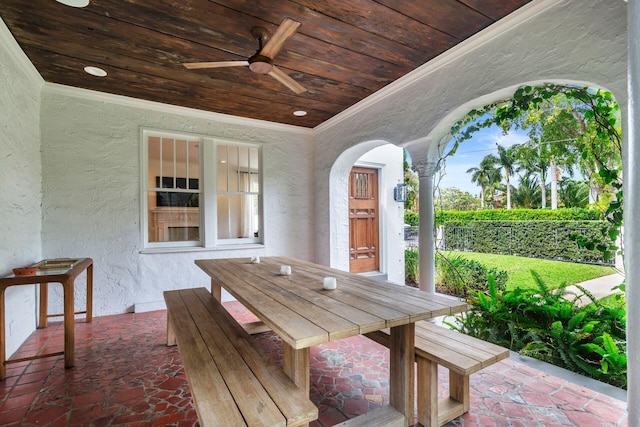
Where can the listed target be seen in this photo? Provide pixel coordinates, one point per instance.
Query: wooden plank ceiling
(344, 51)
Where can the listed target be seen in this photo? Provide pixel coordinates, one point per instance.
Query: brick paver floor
(126, 375)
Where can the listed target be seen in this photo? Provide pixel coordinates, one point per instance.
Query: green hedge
(570, 214)
(534, 239)
(411, 218)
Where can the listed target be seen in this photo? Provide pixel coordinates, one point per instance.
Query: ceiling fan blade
(219, 64)
(286, 80)
(287, 28)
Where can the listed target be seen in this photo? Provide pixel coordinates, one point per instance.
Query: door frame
(382, 237)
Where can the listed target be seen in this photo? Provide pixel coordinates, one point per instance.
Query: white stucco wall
(91, 193)
(20, 179)
(570, 40)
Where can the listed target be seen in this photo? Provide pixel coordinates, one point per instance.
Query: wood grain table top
(304, 314)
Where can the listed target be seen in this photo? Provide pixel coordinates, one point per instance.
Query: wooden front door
(363, 220)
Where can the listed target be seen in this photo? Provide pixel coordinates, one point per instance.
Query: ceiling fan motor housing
(260, 64)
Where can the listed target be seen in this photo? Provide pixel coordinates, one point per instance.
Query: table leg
(69, 323)
(171, 335)
(402, 372)
(44, 305)
(89, 314)
(296, 366)
(216, 290)
(3, 355)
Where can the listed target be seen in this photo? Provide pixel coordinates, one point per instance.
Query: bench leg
(427, 392)
(459, 390)
(296, 364)
(434, 412)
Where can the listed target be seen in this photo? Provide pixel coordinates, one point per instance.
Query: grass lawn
(553, 273)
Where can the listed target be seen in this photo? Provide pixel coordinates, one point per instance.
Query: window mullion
(175, 167)
(227, 166)
(238, 180)
(209, 216)
(159, 184)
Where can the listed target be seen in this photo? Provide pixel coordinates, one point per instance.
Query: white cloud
(511, 139)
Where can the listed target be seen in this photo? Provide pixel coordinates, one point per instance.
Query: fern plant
(549, 325)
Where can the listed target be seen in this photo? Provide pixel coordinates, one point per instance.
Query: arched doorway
(369, 159)
(364, 220)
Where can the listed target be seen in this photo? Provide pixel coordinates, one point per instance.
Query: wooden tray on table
(56, 263)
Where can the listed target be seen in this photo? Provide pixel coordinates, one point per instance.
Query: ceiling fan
(262, 61)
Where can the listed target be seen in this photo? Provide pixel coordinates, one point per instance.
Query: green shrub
(411, 267)
(548, 325)
(457, 275)
(449, 274)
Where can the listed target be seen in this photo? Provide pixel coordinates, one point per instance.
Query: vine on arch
(600, 108)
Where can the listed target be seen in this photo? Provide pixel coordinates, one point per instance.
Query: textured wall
(20, 178)
(568, 40)
(91, 194)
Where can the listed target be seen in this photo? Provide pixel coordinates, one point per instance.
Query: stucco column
(426, 240)
(631, 165)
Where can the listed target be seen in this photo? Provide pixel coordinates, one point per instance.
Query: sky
(471, 152)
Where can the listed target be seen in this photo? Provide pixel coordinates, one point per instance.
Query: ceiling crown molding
(10, 44)
(58, 89)
(476, 41)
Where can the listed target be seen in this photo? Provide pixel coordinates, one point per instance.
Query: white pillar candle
(285, 270)
(329, 283)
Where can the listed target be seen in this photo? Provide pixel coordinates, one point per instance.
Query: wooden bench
(463, 355)
(387, 416)
(231, 381)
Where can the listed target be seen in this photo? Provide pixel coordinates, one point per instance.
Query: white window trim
(208, 200)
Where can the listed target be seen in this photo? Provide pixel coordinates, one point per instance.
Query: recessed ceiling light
(74, 3)
(299, 113)
(95, 71)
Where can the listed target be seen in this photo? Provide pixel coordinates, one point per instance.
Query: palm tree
(486, 174)
(527, 193)
(535, 158)
(507, 160)
(479, 178)
(574, 193)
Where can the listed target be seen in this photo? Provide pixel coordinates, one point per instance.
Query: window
(199, 191)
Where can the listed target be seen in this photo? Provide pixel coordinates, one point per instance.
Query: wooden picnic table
(303, 314)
